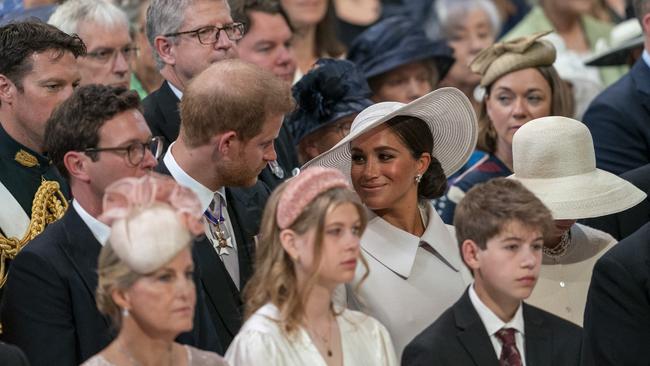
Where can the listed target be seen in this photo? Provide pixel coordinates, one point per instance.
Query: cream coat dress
(408, 287)
(564, 282)
(261, 341)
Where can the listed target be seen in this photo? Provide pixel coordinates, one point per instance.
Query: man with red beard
(231, 113)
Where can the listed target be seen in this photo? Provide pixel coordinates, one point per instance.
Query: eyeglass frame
(125, 51)
(195, 32)
(145, 146)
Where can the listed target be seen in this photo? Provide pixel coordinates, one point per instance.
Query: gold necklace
(325, 339)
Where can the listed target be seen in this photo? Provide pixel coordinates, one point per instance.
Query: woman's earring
(418, 178)
(125, 313)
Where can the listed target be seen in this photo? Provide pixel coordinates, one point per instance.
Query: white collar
(100, 231)
(396, 248)
(492, 322)
(204, 193)
(177, 92)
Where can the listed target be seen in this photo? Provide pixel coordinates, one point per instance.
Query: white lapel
(13, 219)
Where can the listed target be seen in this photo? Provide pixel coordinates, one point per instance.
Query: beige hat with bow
(505, 57)
(554, 158)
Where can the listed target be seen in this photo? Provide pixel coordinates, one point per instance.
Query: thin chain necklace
(325, 339)
(561, 249)
(125, 351)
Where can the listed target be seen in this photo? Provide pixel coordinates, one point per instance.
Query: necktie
(221, 239)
(509, 353)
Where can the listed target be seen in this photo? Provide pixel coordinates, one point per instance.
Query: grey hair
(72, 12)
(451, 12)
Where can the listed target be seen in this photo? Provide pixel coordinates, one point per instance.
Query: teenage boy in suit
(500, 228)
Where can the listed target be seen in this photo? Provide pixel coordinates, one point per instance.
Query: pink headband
(304, 188)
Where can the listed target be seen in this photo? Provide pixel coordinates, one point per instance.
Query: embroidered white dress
(563, 283)
(195, 357)
(261, 341)
(408, 287)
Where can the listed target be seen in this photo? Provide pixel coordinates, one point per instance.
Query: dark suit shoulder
(633, 251)
(11, 355)
(552, 321)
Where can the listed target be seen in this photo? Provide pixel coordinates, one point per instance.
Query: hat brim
(448, 113)
(616, 55)
(582, 196)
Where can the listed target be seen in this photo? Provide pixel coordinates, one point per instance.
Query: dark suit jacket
(163, 117)
(459, 338)
(619, 121)
(12, 356)
(624, 224)
(617, 315)
(49, 308)
(245, 206)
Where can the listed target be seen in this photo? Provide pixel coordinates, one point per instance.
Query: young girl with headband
(309, 245)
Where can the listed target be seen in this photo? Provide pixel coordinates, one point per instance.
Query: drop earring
(418, 178)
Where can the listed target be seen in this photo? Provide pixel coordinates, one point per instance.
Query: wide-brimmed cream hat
(447, 112)
(623, 38)
(554, 158)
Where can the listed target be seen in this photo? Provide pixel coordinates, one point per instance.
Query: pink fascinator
(152, 219)
(302, 189)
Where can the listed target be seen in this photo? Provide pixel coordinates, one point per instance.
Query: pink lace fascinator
(152, 219)
(302, 189)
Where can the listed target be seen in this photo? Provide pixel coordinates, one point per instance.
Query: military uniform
(24, 213)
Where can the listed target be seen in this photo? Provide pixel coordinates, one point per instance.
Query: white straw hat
(624, 37)
(447, 112)
(554, 158)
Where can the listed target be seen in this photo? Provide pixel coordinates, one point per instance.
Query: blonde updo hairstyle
(275, 278)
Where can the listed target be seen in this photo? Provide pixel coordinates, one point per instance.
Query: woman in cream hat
(146, 283)
(554, 158)
(397, 157)
(520, 85)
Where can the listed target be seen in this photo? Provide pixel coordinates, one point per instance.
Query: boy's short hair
(488, 207)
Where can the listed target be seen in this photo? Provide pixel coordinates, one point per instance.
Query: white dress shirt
(493, 324)
(205, 195)
(408, 287)
(261, 341)
(100, 231)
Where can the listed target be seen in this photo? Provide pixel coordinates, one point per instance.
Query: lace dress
(195, 357)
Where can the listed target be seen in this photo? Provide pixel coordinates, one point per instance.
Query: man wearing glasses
(186, 40)
(104, 28)
(96, 137)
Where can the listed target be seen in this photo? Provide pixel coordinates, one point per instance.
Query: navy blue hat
(332, 90)
(394, 42)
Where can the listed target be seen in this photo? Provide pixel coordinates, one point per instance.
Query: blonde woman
(309, 245)
(146, 283)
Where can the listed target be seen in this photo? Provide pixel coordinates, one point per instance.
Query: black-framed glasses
(135, 151)
(104, 55)
(209, 35)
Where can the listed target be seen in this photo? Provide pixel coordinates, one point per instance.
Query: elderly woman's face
(164, 300)
(515, 99)
(383, 169)
(303, 13)
(405, 83)
(470, 35)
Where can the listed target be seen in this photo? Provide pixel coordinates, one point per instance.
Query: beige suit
(563, 283)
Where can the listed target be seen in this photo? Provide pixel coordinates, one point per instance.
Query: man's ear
(289, 243)
(76, 163)
(7, 90)
(164, 47)
(645, 23)
(225, 143)
(470, 252)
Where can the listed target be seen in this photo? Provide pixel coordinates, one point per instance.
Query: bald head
(231, 95)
